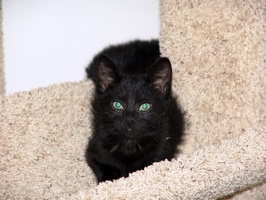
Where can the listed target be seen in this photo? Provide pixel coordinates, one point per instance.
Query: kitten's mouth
(129, 133)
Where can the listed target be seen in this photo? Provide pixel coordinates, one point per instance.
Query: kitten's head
(133, 106)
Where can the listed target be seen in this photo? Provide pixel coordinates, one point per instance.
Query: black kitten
(136, 119)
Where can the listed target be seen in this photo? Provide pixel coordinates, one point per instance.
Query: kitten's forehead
(132, 89)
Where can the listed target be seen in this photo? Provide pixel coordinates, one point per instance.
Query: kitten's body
(129, 138)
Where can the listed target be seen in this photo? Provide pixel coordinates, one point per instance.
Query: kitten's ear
(107, 74)
(160, 76)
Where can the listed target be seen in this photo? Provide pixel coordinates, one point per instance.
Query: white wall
(52, 41)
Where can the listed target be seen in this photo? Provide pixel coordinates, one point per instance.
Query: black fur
(128, 139)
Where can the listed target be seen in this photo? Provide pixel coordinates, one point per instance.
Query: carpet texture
(218, 55)
(218, 52)
(43, 135)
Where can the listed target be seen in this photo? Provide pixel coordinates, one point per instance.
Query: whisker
(150, 134)
(100, 134)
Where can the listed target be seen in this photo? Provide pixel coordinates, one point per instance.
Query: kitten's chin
(130, 137)
(131, 146)
(129, 134)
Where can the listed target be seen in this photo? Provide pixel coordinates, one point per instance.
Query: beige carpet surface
(218, 52)
(43, 134)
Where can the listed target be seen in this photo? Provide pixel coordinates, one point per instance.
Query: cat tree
(218, 53)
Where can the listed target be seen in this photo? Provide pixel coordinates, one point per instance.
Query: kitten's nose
(129, 123)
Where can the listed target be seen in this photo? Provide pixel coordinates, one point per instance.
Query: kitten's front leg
(110, 174)
(104, 172)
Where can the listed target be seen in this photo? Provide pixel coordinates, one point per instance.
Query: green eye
(117, 105)
(145, 107)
